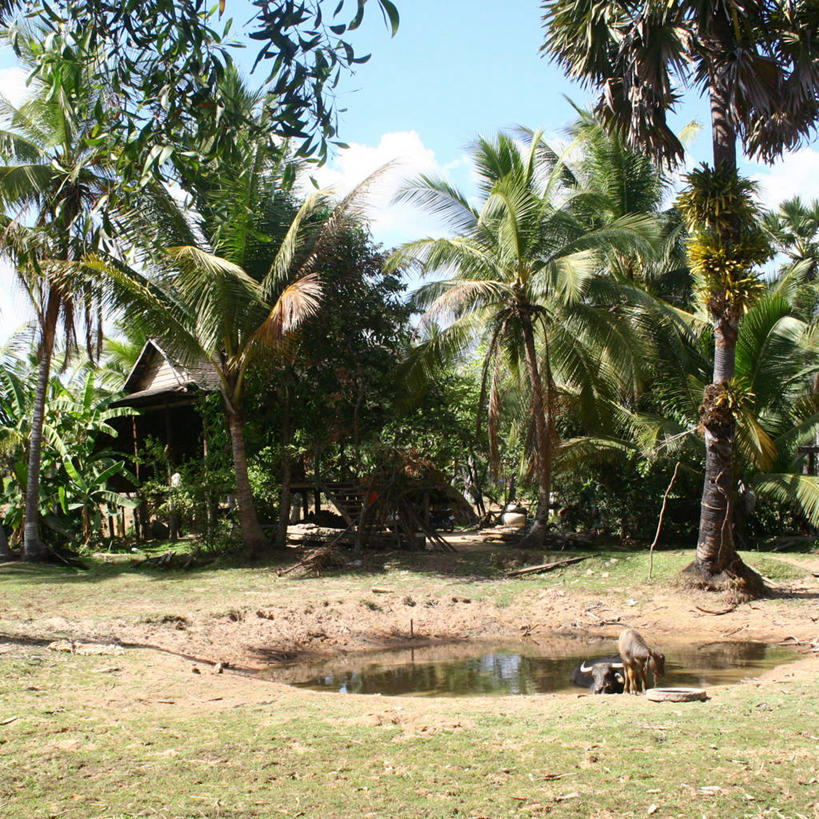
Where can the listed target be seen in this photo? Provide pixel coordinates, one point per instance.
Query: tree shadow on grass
(463, 566)
(793, 594)
(482, 562)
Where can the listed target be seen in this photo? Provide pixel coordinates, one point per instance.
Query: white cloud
(795, 174)
(391, 223)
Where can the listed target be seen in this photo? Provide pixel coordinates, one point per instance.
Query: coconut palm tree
(777, 408)
(757, 62)
(231, 282)
(522, 282)
(794, 227)
(628, 182)
(54, 184)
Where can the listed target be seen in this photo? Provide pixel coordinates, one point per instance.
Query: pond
(503, 670)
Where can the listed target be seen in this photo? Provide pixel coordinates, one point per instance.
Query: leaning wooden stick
(660, 521)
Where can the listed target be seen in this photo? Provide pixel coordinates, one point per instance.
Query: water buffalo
(638, 660)
(603, 676)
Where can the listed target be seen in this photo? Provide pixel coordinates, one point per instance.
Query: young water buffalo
(638, 659)
(604, 676)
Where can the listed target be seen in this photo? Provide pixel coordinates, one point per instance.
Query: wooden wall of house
(156, 374)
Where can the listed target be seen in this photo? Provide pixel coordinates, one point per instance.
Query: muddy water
(505, 670)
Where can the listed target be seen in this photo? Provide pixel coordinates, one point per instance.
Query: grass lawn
(139, 734)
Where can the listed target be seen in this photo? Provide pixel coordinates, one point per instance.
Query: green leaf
(390, 15)
(799, 491)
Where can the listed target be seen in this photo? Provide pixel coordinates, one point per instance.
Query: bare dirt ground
(134, 716)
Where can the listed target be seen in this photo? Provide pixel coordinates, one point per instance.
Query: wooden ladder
(348, 498)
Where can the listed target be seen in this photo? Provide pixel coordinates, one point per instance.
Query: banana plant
(76, 471)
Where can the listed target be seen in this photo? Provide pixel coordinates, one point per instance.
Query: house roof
(156, 374)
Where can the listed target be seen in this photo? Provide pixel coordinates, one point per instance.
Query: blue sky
(460, 68)
(456, 69)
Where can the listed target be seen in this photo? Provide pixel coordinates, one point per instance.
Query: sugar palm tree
(522, 281)
(54, 184)
(757, 63)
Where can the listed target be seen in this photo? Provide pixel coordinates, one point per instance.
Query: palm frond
(438, 198)
(283, 266)
(453, 298)
(800, 492)
(576, 453)
(299, 301)
(461, 256)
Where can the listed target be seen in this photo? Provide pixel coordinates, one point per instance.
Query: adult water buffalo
(603, 676)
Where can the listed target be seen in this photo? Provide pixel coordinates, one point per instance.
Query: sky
(456, 69)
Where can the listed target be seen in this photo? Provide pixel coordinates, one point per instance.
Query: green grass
(87, 741)
(317, 755)
(141, 592)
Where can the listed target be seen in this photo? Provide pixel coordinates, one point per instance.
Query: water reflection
(505, 671)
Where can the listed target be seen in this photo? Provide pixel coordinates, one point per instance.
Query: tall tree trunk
(717, 561)
(716, 549)
(33, 546)
(543, 443)
(284, 495)
(253, 536)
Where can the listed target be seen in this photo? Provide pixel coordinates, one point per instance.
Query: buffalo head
(601, 677)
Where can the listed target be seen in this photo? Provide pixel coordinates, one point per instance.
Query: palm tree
(231, 283)
(756, 61)
(777, 408)
(55, 176)
(794, 227)
(628, 182)
(522, 282)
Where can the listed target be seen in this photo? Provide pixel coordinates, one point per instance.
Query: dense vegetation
(580, 346)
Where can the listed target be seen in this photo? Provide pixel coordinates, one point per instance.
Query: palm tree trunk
(284, 495)
(716, 550)
(253, 536)
(717, 561)
(543, 447)
(33, 546)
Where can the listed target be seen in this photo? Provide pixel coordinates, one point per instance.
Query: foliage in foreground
(76, 465)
